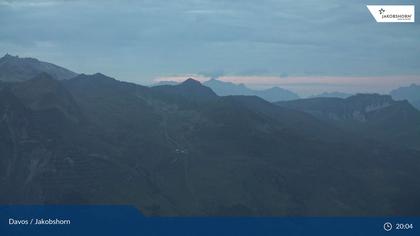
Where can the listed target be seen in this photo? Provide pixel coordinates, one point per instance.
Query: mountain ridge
(410, 93)
(185, 151)
(189, 89)
(371, 115)
(273, 94)
(14, 69)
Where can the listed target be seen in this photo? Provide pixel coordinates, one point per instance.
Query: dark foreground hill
(182, 150)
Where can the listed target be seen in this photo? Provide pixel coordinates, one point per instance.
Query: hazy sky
(307, 46)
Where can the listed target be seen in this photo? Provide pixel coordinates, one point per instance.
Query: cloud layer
(141, 40)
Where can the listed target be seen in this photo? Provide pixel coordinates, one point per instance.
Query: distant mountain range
(165, 83)
(184, 150)
(272, 94)
(410, 93)
(369, 115)
(332, 95)
(223, 88)
(14, 68)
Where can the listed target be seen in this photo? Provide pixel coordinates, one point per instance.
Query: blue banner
(126, 220)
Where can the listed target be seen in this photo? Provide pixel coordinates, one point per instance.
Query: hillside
(14, 69)
(368, 115)
(169, 153)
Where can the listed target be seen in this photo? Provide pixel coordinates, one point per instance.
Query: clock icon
(387, 226)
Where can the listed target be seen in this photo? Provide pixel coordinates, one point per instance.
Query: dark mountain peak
(16, 59)
(189, 89)
(8, 57)
(94, 77)
(15, 69)
(195, 87)
(191, 82)
(100, 75)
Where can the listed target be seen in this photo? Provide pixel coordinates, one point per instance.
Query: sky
(306, 46)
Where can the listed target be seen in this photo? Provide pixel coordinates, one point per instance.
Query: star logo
(381, 11)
